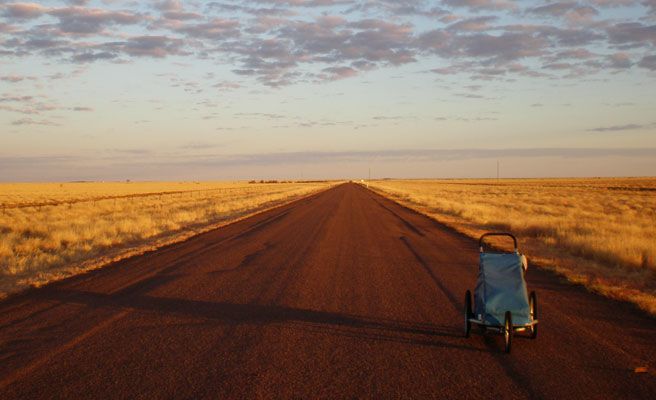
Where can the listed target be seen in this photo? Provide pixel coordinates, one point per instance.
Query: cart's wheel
(533, 305)
(468, 313)
(508, 331)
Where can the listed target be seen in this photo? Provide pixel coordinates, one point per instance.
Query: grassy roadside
(595, 232)
(51, 231)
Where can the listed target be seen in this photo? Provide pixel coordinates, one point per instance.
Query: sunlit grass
(49, 231)
(599, 232)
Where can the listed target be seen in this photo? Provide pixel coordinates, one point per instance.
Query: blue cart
(501, 301)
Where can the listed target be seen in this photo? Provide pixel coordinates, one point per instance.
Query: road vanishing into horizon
(343, 294)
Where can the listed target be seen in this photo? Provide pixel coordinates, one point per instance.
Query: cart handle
(480, 241)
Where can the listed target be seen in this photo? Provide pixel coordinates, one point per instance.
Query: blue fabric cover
(500, 288)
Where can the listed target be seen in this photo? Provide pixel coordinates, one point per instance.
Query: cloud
(201, 145)
(346, 47)
(613, 3)
(482, 4)
(91, 56)
(558, 65)
(650, 5)
(622, 104)
(226, 85)
(152, 46)
(372, 40)
(138, 46)
(335, 73)
(15, 98)
(23, 10)
(465, 119)
(475, 24)
(620, 128)
(392, 117)
(620, 61)
(217, 28)
(487, 55)
(16, 78)
(569, 37)
(26, 104)
(560, 8)
(168, 5)
(128, 151)
(32, 121)
(282, 42)
(175, 11)
(7, 28)
(89, 20)
(648, 62)
(580, 53)
(471, 96)
(573, 12)
(306, 3)
(632, 34)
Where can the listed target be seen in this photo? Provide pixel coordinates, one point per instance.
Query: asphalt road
(344, 294)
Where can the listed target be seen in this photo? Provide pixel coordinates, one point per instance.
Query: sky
(317, 89)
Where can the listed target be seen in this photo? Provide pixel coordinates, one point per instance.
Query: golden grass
(50, 231)
(598, 232)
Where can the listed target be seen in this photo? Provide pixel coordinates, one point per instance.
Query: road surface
(344, 294)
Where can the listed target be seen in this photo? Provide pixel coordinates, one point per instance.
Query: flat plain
(341, 294)
(598, 232)
(52, 230)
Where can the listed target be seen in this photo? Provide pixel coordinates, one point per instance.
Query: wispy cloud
(620, 128)
(33, 121)
(16, 78)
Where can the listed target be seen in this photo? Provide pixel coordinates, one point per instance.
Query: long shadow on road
(313, 321)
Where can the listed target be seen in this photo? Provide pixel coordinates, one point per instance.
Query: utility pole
(497, 171)
(369, 173)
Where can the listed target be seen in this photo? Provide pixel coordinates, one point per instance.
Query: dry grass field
(53, 230)
(598, 232)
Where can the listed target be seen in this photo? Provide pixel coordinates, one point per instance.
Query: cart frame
(507, 329)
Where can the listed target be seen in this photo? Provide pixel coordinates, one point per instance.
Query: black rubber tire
(468, 313)
(533, 303)
(508, 331)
